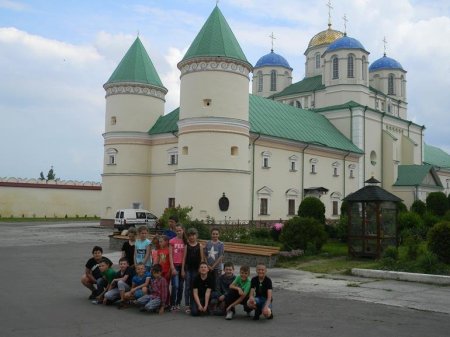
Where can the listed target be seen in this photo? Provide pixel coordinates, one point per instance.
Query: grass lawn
(333, 259)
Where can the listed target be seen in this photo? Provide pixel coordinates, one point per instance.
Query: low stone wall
(54, 198)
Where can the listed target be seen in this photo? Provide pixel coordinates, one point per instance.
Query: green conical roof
(136, 66)
(215, 39)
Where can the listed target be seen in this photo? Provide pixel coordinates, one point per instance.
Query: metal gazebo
(372, 220)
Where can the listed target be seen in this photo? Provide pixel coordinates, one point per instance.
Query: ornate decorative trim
(129, 88)
(215, 64)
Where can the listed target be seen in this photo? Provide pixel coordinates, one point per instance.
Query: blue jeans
(189, 278)
(177, 287)
(101, 284)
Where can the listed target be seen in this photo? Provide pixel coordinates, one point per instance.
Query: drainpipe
(351, 123)
(422, 157)
(303, 170)
(345, 174)
(253, 175)
(364, 130)
(382, 150)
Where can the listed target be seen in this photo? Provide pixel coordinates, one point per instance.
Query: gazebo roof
(372, 193)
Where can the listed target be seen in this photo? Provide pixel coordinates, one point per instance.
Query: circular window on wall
(373, 158)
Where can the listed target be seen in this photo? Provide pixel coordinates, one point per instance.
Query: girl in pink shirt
(176, 254)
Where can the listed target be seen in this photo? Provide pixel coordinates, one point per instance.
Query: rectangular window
(335, 208)
(263, 207)
(265, 162)
(136, 205)
(291, 207)
(173, 159)
(293, 166)
(112, 160)
(335, 172)
(352, 174)
(171, 203)
(313, 169)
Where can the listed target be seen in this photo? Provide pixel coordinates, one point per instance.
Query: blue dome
(385, 63)
(272, 59)
(345, 42)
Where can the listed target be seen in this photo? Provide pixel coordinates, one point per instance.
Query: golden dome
(325, 37)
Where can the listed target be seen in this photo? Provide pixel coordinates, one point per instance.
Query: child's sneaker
(229, 315)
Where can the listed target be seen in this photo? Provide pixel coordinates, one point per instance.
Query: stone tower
(135, 99)
(214, 125)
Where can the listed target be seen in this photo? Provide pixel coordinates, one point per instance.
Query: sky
(55, 57)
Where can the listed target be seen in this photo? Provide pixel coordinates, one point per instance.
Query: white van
(126, 218)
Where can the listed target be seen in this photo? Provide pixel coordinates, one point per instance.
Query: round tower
(214, 124)
(271, 74)
(135, 99)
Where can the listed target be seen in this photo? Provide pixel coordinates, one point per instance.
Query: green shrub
(312, 207)
(412, 244)
(429, 219)
(344, 208)
(419, 207)
(342, 229)
(411, 224)
(428, 263)
(439, 240)
(446, 216)
(202, 228)
(235, 234)
(391, 252)
(298, 232)
(401, 207)
(181, 212)
(437, 203)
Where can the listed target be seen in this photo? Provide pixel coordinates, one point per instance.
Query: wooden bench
(238, 253)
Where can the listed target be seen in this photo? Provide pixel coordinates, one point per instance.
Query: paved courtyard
(42, 296)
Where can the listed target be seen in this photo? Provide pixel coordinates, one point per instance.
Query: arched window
(335, 63)
(363, 70)
(350, 68)
(391, 84)
(273, 80)
(260, 81)
(317, 61)
(298, 104)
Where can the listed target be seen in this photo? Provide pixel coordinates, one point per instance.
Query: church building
(234, 156)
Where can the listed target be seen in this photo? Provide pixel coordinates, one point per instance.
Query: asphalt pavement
(42, 296)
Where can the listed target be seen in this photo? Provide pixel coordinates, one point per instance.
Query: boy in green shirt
(108, 274)
(239, 291)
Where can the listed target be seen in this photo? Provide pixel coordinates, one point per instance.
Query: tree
(41, 176)
(303, 233)
(51, 174)
(312, 207)
(437, 203)
(438, 240)
(419, 207)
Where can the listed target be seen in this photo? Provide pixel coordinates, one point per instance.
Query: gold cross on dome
(273, 38)
(329, 11)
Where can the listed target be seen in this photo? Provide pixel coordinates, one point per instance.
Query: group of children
(152, 275)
